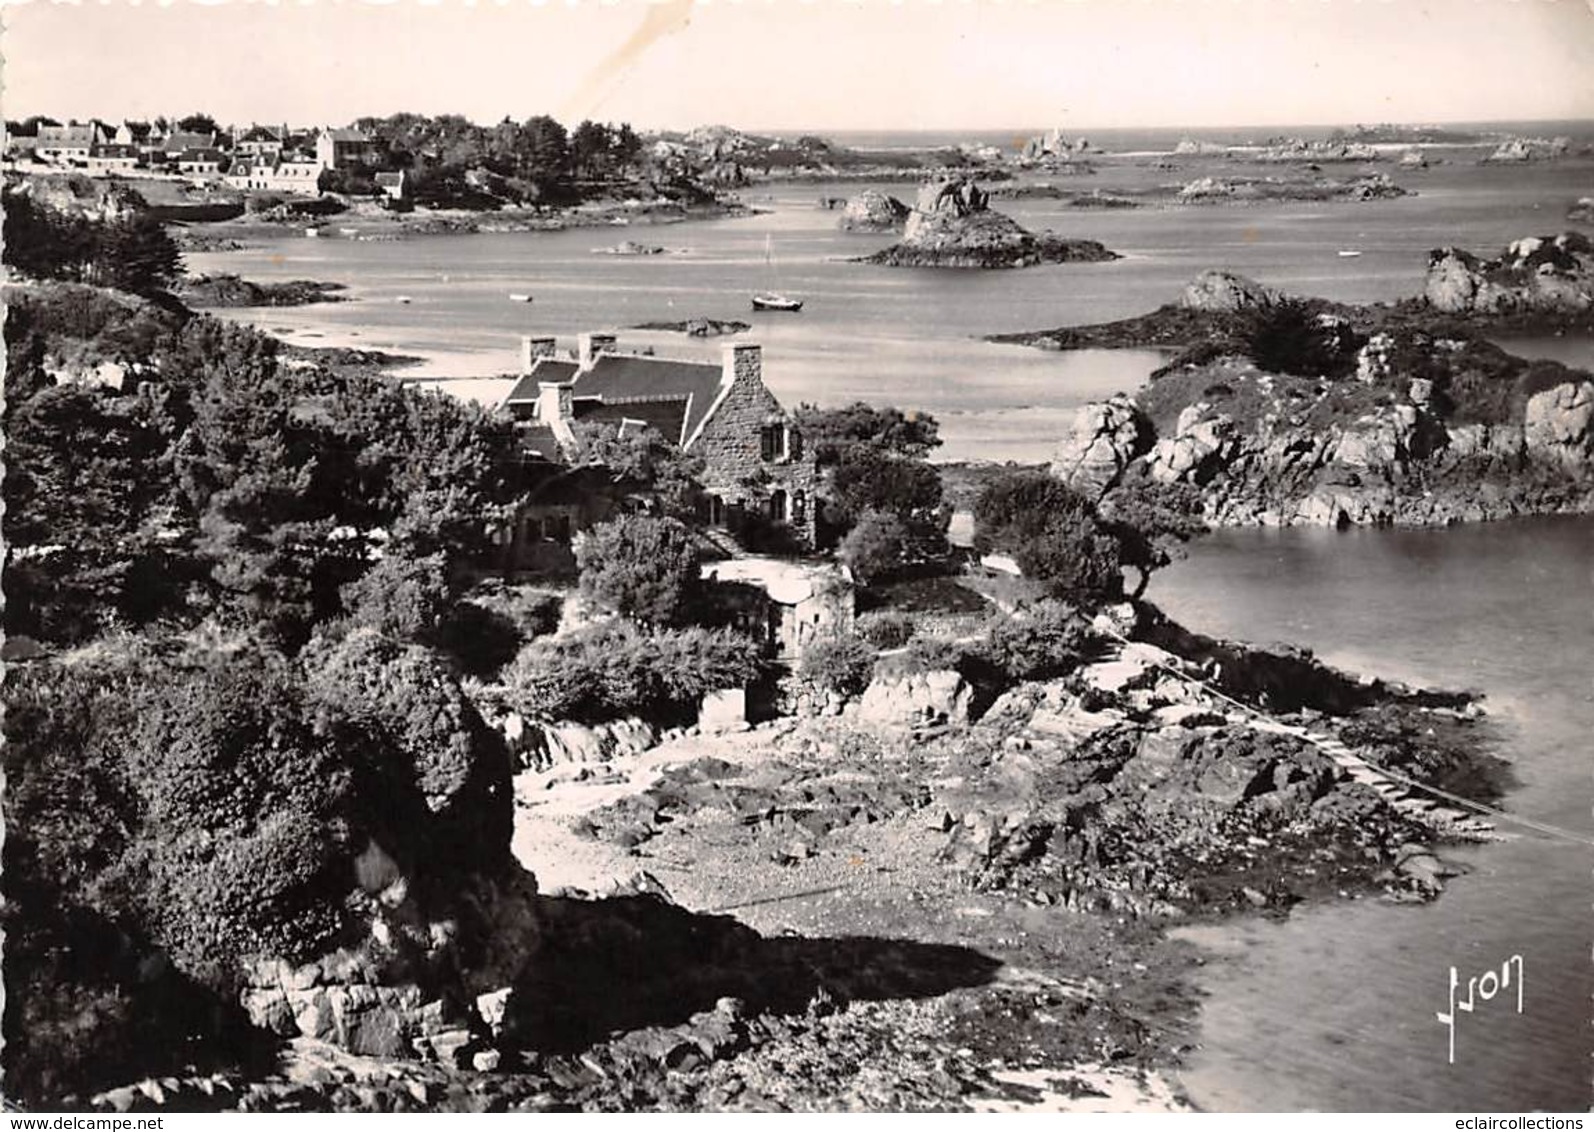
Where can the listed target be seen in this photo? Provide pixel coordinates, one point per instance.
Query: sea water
(1335, 1007)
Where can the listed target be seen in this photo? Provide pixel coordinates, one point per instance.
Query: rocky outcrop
(873, 211)
(1534, 274)
(1582, 212)
(915, 699)
(231, 291)
(1103, 439)
(700, 327)
(1205, 190)
(1225, 291)
(1515, 151)
(951, 225)
(538, 746)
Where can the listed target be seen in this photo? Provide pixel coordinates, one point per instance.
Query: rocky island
(232, 291)
(873, 211)
(1283, 411)
(952, 225)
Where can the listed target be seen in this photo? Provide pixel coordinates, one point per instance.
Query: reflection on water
(1335, 1009)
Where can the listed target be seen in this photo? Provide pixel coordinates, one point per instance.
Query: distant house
(261, 143)
(200, 162)
(292, 178)
(394, 187)
(756, 477)
(114, 158)
(73, 143)
(22, 148)
(136, 134)
(179, 142)
(341, 148)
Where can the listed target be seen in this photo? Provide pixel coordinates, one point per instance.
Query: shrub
(641, 567)
(1054, 535)
(885, 629)
(875, 547)
(615, 670)
(401, 597)
(1051, 640)
(841, 663)
(1291, 337)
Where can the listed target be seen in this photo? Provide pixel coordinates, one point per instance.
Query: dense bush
(642, 567)
(616, 670)
(1054, 535)
(1293, 337)
(130, 253)
(1050, 639)
(405, 598)
(841, 663)
(885, 629)
(875, 547)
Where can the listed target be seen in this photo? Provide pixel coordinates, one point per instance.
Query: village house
(342, 148)
(394, 187)
(261, 143)
(72, 143)
(291, 178)
(201, 163)
(784, 603)
(114, 158)
(757, 480)
(179, 142)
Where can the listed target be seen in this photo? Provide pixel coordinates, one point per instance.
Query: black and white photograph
(761, 556)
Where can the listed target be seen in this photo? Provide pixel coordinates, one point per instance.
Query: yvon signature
(1484, 986)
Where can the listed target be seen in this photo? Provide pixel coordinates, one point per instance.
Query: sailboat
(773, 300)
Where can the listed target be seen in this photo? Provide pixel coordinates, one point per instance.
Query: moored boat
(769, 301)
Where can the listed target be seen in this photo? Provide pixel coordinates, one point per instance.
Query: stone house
(757, 479)
(262, 143)
(200, 163)
(394, 187)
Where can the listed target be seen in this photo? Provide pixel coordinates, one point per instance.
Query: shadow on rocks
(629, 962)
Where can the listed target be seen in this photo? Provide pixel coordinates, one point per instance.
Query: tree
(876, 545)
(198, 124)
(1054, 535)
(135, 254)
(643, 460)
(589, 150)
(642, 567)
(1294, 337)
(1152, 522)
(830, 432)
(866, 478)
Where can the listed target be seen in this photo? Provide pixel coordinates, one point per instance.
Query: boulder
(916, 698)
(1559, 420)
(1102, 439)
(1540, 273)
(1226, 291)
(873, 211)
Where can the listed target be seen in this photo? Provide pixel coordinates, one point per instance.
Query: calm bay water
(1333, 1009)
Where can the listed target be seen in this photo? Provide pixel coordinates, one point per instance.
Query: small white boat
(769, 301)
(1349, 255)
(348, 231)
(312, 233)
(401, 298)
(519, 297)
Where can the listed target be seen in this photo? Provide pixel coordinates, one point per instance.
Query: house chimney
(554, 403)
(590, 345)
(532, 348)
(741, 360)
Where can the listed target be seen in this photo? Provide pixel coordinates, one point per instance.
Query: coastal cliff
(1287, 411)
(952, 225)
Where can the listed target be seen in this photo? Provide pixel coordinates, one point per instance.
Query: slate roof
(344, 134)
(635, 381)
(539, 440)
(546, 369)
(182, 140)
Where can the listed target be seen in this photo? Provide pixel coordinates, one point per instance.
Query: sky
(790, 65)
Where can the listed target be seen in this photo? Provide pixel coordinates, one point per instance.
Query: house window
(777, 442)
(779, 506)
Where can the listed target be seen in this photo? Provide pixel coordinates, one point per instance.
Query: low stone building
(784, 603)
